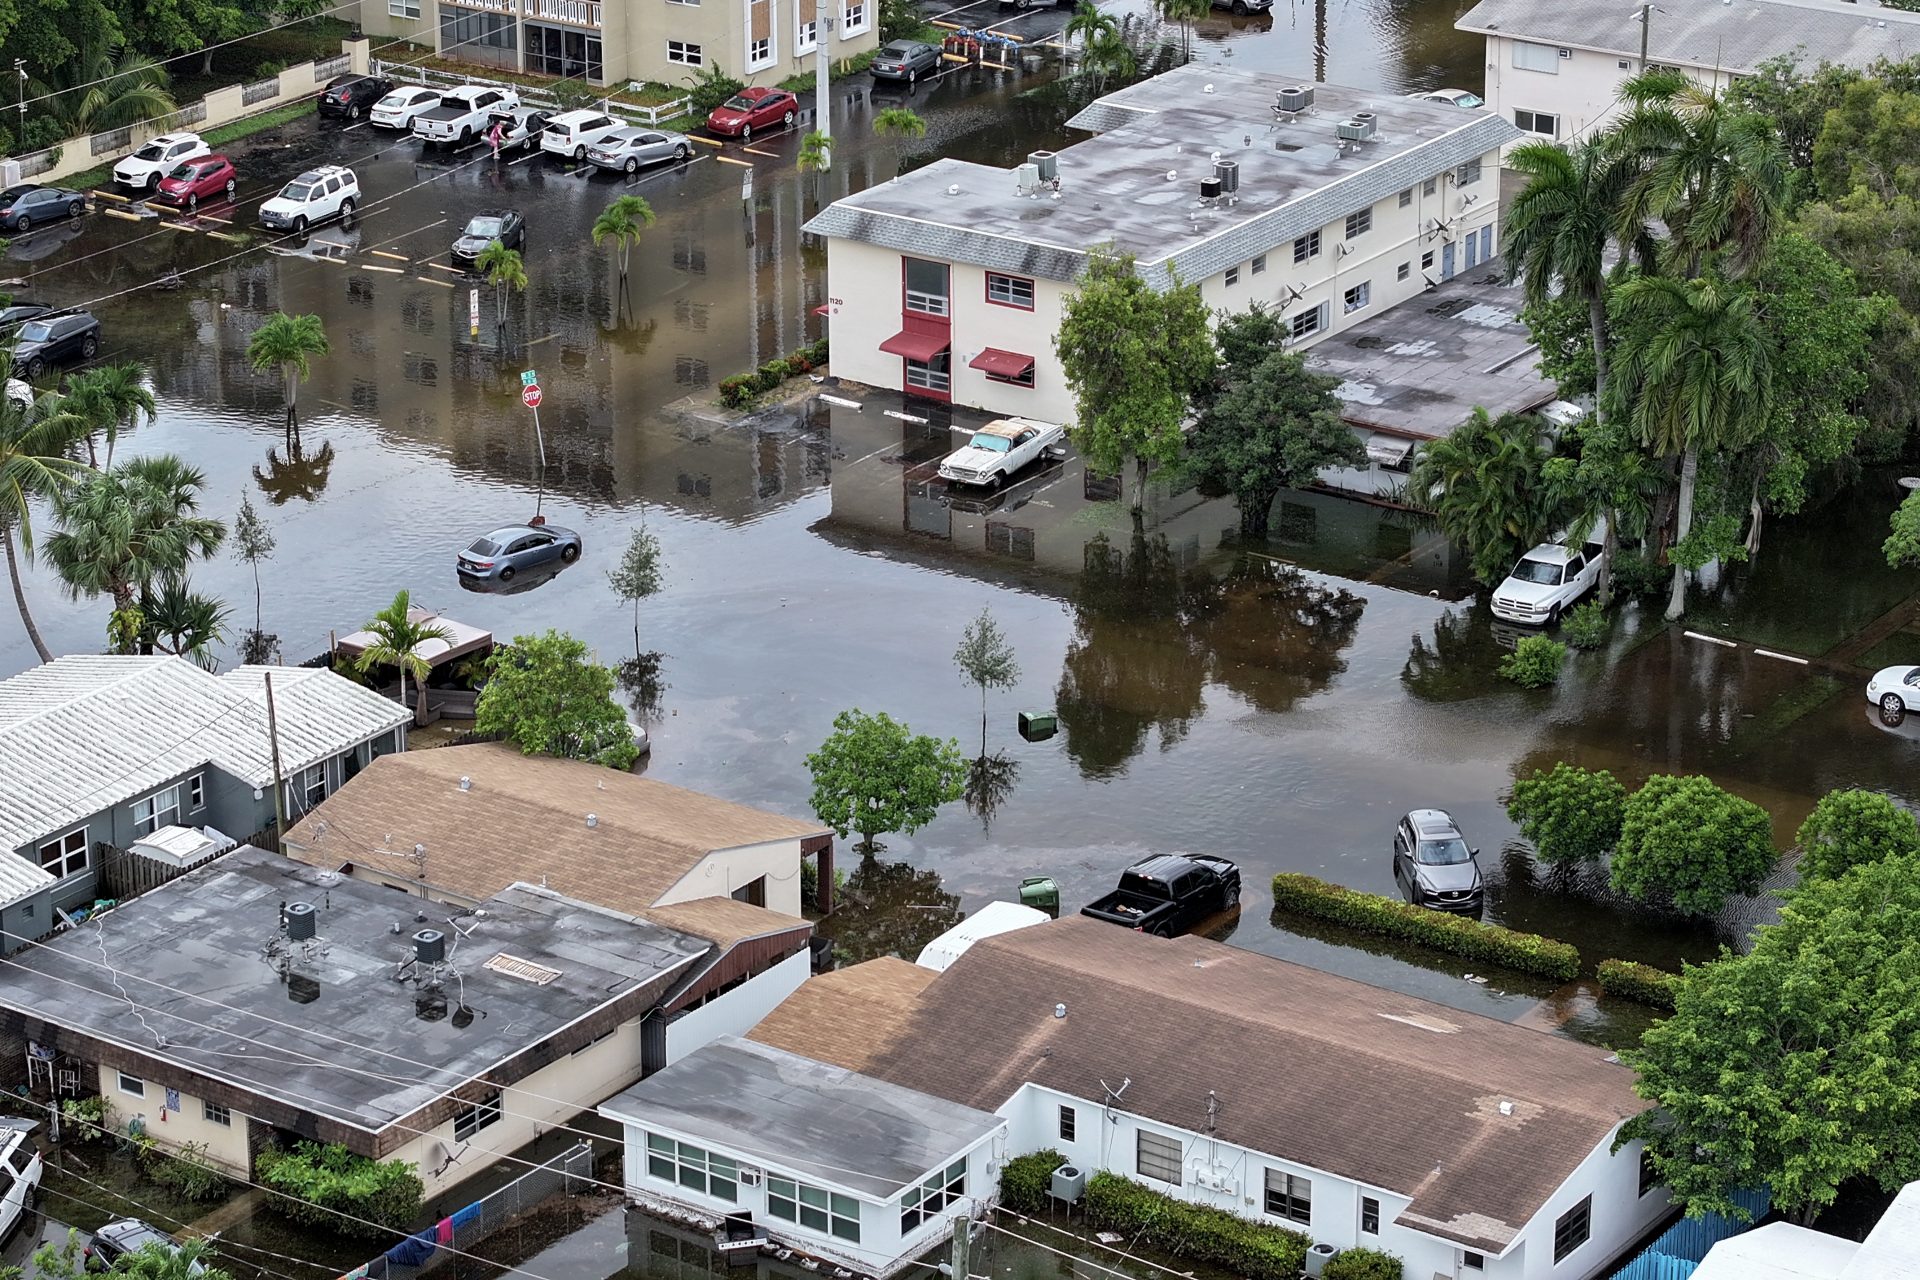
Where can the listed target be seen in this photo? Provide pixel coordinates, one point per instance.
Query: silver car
(499, 555)
(629, 149)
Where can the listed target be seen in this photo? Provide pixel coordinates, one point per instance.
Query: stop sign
(530, 396)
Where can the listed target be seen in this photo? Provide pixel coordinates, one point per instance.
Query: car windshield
(1470, 100)
(1443, 853)
(483, 547)
(484, 228)
(741, 102)
(296, 191)
(152, 151)
(1538, 572)
(992, 444)
(35, 331)
(183, 171)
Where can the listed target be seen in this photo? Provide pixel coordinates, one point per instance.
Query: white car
(1896, 691)
(144, 168)
(1546, 583)
(316, 195)
(1451, 98)
(999, 449)
(20, 1170)
(398, 109)
(572, 133)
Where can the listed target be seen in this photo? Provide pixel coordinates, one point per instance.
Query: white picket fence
(434, 78)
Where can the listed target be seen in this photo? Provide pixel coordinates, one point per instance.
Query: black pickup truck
(1169, 893)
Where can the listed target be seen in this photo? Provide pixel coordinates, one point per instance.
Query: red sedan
(202, 178)
(752, 109)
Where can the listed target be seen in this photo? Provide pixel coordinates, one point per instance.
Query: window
(1369, 1215)
(814, 1208)
(930, 1199)
(403, 8)
(1406, 197)
(1428, 187)
(1158, 1156)
(1307, 246)
(1404, 270)
(133, 1085)
(1358, 224)
(809, 33)
(308, 787)
(1024, 380)
(761, 51)
(476, 1117)
(1359, 296)
(1624, 64)
(693, 3)
(926, 285)
(1067, 1122)
(1426, 261)
(695, 1168)
(856, 21)
(1308, 323)
(214, 1113)
(197, 792)
(1259, 263)
(158, 810)
(935, 375)
(1289, 1196)
(66, 856)
(1233, 276)
(1010, 291)
(1572, 1229)
(753, 892)
(1467, 174)
(1542, 123)
(687, 55)
(1536, 57)
(1648, 1178)
(1472, 1261)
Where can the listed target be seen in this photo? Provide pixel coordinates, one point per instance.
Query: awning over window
(1388, 451)
(822, 309)
(918, 347)
(996, 363)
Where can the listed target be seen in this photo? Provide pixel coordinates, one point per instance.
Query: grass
(803, 83)
(1777, 716)
(216, 137)
(633, 93)
(1902, 648)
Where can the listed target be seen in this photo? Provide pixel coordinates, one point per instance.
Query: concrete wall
(1581, 89)
(778, 861)
(25, 921)
(226, 1144)
(739, 1010)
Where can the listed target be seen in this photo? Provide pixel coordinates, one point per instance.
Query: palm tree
(1087, 23)
(299, 474)
(622, 222)
(1485, 486)
(286, 343)
(34, 440)
(121, 531)
(898, 122)
(181, 621)
(505, 272)
(1186, 13)
(815, 153)
(1694, 375)
(103, 87)
(397, 638)
(107, 399)
(1108, 56)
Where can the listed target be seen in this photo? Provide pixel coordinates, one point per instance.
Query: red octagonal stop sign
(530, 396)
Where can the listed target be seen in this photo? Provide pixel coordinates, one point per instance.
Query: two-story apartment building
(1330, 204)
(609, 42)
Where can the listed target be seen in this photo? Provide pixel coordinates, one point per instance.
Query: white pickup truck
(463, 114)
(998, 450)
(1547, 582)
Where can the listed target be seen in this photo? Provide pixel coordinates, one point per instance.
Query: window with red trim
(1010, 291)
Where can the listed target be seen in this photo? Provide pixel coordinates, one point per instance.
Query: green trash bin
(1041, 893)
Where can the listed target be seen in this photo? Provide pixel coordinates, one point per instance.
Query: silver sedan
(630, 149)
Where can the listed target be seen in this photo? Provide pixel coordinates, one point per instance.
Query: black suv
(49, 340)
(353, 96)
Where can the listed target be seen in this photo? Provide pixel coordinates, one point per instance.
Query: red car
(752, 109)
(202, 178)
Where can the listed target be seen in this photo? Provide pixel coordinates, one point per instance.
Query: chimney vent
(466, 783)
(593, 820)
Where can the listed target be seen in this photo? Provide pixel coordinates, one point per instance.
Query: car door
(180, 149)
(1578, 576)
(517, 230)
(1402, 855)
(650, 147)
(926, 57)
(541, 548)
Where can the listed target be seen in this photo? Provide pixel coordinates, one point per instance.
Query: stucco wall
(739, 1010)
(1582, 89)
(226, 1145)
(721, 873)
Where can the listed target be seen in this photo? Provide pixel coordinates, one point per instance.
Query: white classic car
(998, 450)
(1547, 582)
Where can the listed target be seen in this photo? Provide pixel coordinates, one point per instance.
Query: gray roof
(19, 880)
(1730, 35)
(805, 1117)
(1294, 177)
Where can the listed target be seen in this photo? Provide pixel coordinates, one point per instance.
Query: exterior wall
(26, 921)
(226, 1144)
(1581, 91)
(721, 873)
(737, 1011)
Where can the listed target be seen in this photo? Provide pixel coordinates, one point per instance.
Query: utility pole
(273, 743)
(1646, 24)
(822, 112)
(962, 1242)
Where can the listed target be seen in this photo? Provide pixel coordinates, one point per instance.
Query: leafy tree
(34, 440)
(544, 695)
(1869, 139)
(898, 122)
(1485, 485)
(1685, 840)
(1902, 546)
(177, 619)
(169, 27)
(900, 20)
(397, 637)
(1134, 357)
(1572, 815)
(638, 575)
(1794, 99)
(506, 272)
(985, 658)
(124, 530)
(287, 343)
(990, 783)
(253, 541)
(1797, 1066)
(104, 85)
(1104, 52)
(1186, 13)
(1879, 241)
(107, 399)
(815, 154)
(874, 775)
(1850, 827)
(1276, 429)
(622, 222)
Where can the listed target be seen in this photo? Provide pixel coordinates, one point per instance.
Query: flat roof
(206, 936)
(1295, 175)
(808, 1117)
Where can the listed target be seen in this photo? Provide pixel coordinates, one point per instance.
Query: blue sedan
(499, 555)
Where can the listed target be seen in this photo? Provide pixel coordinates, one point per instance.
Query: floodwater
(1281, 707)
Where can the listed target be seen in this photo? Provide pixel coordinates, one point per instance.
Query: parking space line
(444, 284)
(374, 266)
(397, 257)
(227, 235)
(546, 338)
(350, 128)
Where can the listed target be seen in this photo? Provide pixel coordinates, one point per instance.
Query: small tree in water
(874, 775)
(547, 697)
(986, 658)
(638, 575)
(253, 541)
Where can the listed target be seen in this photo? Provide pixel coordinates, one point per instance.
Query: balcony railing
(485, 6)
(581, 13)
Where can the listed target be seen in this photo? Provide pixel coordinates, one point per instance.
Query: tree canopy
(1572, 815)
(874, 775)
(1848, 828)
(547, 697)
(1685, 841)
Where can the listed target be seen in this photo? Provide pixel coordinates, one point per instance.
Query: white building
(1467, 1147)
(1554, 67)
(1332, 204)
(1783, 1251)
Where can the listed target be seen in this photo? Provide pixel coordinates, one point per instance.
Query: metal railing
(434, 78)
(111, 140)
(487, 6)
(259, 91)
(583, 13)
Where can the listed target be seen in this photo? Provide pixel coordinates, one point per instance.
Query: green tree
(1278, 428)
(397, 637)
(1535, 662)
(1486, 488)
(34, 440)
(1087, 23)
(109, 399)
(1134, 357)
(506, 272)
(874, 775)
(1850, 827)
(900, 20)
(1879, 241)
(815, 153)
(105, 85)
(122, 531)
(547, 697)
(898, 122)
(1104, 52)
(177, 619)
(1686, 841)
(1902, 546)
(1869, 139)
(253, 541)
(1186, 13)
(639, 574)
(1572, 815)
(985, 657)
(622, 222)
(287, 344)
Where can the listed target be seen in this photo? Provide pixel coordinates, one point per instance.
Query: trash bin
(1042, 894)
(1038, 726)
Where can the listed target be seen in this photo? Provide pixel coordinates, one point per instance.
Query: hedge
(1473, 939)
(1631, 980)
(1363, 1264)
(1195, 1232)
(742, 389)
(331, 1187)
(1026, 1184)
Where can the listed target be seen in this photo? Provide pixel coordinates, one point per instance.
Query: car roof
(1161, 866)
(168, 139)
(578, 113)
(1009, 427)
(1551, 553)
(1433, 822)
(131, 1229)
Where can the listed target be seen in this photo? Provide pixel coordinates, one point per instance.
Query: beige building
(609, 42)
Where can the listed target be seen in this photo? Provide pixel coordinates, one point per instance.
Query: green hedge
(1195, 1232)
(1631, 980)
(1363, 1264)
(1026, 1183)
(742, 389)
(326, 1182)
(1490, 943)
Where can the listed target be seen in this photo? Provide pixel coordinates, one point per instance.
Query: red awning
(821, 310)
(918, 347)
(1002, 364)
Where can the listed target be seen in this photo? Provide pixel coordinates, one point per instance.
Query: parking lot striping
(350, 128)
(547, 338)
(374, 266)
(397, 257)
(225, 222)
(444, 284)
(1724, 644)
(1784, 657)
(179, 226)
(745, 164)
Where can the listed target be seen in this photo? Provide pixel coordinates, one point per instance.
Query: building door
(1473, 250)
(1446, 262)
(1486, 244)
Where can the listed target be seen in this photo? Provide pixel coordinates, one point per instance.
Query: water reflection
(1461, 661)
(296, 474)
(640, 681)
(889, 909)
(990, 783)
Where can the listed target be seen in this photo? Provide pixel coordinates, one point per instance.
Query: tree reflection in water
(1462, 662)
(639, 679)
(990, 783)
(297, 475)
(889, 909)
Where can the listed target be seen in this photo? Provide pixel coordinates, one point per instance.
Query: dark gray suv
(1433, 865)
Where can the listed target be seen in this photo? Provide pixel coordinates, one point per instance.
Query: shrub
(1363, 1264)
(742, 389)
(1571, 814)
(1535, 662)
(1473, 939)
(1586, 627)
(1848, 828)
(328, 1181)
(90, 1117)
(1194, 1232)
(187, 1170)
(1685, 840)
(1635, 574)
(709, 89)
(1026, 1183)
(1631, 980)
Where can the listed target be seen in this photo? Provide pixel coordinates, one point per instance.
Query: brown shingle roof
(723, 920)
(525, 819)
(850, 1017)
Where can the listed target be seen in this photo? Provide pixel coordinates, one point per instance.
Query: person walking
(494, 136)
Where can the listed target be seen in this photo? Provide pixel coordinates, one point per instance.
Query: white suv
(314, 196)
(144, 168)
(19, 1173)
(571, 132)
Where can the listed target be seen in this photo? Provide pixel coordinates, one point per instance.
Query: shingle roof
(84, 732)
(1731, 35)
(524, 817)
(723, 920)
(1339, 1061)
(848, 1016)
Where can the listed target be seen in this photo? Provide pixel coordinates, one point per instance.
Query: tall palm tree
(179, 620)
(34, 441)
(1694, 376)
(1108, 56)
(121, 531)
(815, 153)
(108, 399)
(1186, 13)
(1088, 23)
(1485, 485)
(622, 222)
(506, 272)
(103, 87)
(287, 343)
(898, 122)
(396, 643)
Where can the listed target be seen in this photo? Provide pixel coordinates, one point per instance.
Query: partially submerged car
(999, 450)
(1433, 865)
(1548, 581)
(1895, 691)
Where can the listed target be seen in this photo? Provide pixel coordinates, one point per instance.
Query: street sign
(529, 379)
(473, 313)
(530, 395)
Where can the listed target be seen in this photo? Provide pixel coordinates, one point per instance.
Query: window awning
(1388, 451)
(822, 309)
(918, 347)
(996, 363)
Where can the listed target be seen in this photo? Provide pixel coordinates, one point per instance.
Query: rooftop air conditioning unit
(1209, 188)
(1047, 163)
(1069, 1183)
(1354, 130)
(1228, 174)
(1294, 98)
(1026, 178)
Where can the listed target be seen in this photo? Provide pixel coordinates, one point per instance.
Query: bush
(1571, 814)
(1473, 939)
(186, 1170)
(1635, 574)
(1363, 1264)
(1686, 841)
(90, 1117)
(1194, 1232)
(1586, 627)
(742, 389)
(1535, 662)
(1026, 1184)
(1848, 828)
(1631, 980)
(710, 88)
(328, 1181)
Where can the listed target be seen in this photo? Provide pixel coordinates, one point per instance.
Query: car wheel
(569, 553)
(633, 166)
(300, 226)
(579, 154)
(506, 573)
(466, 136)
(1553, 616)
(346, 207)
(911, 77)
(76, 209)
(153, 182)
(786, 121)
(1233, 896)
(1240, 8)
(193, 200)
(23, 224)
(88, 346)
(353, 113)
(36, 366)
(230, 188)
(1892, 709)
(680, 152)
(746, 133)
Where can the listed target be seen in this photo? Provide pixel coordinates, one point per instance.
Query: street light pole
(822, 112)
(1646, 24)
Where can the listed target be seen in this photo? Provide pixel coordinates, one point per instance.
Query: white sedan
(998, 450)
(398, 109)
(1452, 98)
(1896, 691)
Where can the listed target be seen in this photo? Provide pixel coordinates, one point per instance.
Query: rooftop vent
(593, 820)
(429, 946)
(466, 783)
(1293, 98)
(1228, 173)
(1047, 163)
(525, 970)
(299, 920)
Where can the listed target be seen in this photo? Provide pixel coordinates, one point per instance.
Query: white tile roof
(85, 732)
(20, 879)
